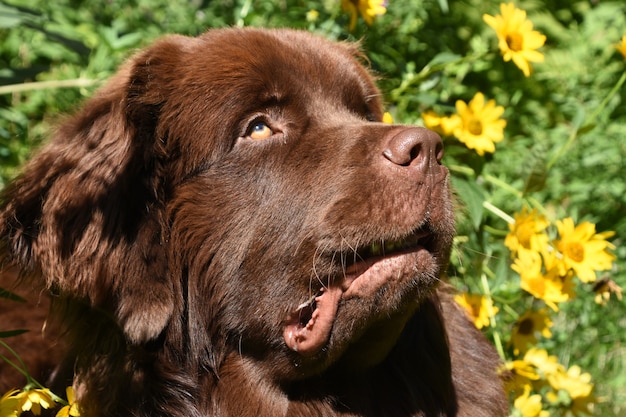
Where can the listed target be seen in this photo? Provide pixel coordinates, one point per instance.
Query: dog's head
(238, 192)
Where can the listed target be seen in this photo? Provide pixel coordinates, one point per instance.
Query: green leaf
(11, 296)
(11, 16)
(11, 333)
(443, 58)
(443, 4)
(472, 196)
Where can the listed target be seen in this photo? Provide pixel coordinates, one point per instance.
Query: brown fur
(181, 252)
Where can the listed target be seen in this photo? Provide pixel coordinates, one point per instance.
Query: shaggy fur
(228, 229)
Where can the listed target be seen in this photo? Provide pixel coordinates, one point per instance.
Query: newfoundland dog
(228, 229)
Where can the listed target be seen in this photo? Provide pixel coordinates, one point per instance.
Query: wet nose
(415, 146)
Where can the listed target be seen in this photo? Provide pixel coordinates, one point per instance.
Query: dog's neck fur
(419, 379)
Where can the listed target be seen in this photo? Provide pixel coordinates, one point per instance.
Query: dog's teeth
(307, 303)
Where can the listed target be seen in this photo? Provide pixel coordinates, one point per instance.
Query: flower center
(525, 327)
(475, 126)
(515, 41)
(575, 251)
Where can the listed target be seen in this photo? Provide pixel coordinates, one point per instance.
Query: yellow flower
(621, 46)
(583, 250)
(388, 118)
(33, 400)
(546, 364)
(480, 309)
(516, 38)
(526, 329)
(517, 374)
(578, 387)
(479, 126)
(527, 232)
(441, 124)
(552, 288)
(574, 382)
(71, 409)
(603, 289)
(312, 15)
(369, 9)
(530, 405)
(10, 405)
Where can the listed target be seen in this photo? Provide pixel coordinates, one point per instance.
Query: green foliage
(564, 150)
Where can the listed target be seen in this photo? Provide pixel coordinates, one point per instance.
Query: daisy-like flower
(584, 250)
(574, 382)
(516, 38)
(15, 402)
(527, 327)
(530, 405)
(517, 374)
(479, 125)
(480, 309)
(547, 364)
(550, 287)
(10, 405)
(71, 409)
(441, 124)
(527, 232)
(621, 46)
(369, 9)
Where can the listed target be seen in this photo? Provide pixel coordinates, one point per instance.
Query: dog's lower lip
(377, 251)
(361, 265)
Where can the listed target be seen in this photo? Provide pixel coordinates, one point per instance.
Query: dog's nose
(414, 146)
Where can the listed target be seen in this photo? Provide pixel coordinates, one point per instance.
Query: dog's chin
(359, 317)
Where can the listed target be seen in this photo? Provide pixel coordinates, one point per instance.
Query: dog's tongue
(308, 338)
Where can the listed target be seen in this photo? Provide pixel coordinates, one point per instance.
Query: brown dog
(228, 229)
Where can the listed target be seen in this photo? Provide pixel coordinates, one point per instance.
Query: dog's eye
(260, 131)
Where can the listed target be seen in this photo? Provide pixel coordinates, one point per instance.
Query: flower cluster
(553, 259)
(15, 402)
(548, 266)
(548, 262)
(539, 372)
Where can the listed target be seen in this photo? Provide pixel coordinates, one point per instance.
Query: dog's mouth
(364, 272)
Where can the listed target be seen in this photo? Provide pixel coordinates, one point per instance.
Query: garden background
(560, 153)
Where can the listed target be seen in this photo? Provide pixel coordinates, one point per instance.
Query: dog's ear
(87, 213)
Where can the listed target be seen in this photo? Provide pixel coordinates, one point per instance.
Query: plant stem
(427, 71)
(22, 369)
(495, 210)
(42, 85)
(492, 318)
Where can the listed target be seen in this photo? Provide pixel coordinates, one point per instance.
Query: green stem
(42, 85)
(495, 210)
(427, 71)
(22, 367)
(461, 169)
(503, 185)
(492, 318)
(29, 379)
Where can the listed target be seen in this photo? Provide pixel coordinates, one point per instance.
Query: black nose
(414, 146)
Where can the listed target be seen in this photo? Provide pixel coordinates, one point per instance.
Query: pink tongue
(310, 338)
